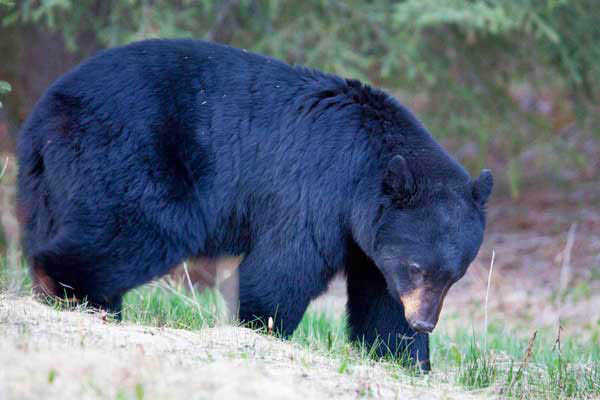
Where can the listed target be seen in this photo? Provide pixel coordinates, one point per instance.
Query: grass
(515, 366)
(504, 367)
(507, 363)
(167, 304)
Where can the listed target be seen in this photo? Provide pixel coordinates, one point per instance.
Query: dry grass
(46, 353)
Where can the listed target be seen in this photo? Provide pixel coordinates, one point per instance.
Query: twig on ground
(191, 286)
(525, 360)
(165, 285)
(557, 341)
(565, 271)
(3, 170)
(487, 293)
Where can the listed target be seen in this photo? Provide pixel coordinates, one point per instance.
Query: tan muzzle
(422, 307)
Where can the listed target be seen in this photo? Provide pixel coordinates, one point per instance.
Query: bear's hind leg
(63, 277)
(83, 270)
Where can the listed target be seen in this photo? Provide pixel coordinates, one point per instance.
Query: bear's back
(176, 66)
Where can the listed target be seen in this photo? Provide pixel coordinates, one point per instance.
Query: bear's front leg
(377, 319)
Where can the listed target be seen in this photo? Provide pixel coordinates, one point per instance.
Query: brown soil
(546, 266)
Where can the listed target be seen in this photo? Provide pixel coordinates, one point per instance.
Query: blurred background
(510, 85)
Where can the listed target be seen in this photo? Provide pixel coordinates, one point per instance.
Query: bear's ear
(482, 186)
(398, 177)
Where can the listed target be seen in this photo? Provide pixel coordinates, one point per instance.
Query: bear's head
(426, 237)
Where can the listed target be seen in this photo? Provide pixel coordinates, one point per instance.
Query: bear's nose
(422, 326)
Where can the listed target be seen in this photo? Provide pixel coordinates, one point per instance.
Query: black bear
(148, 154)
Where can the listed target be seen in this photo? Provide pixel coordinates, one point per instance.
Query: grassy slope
(47, 352)
(505, 362)
(498, 362)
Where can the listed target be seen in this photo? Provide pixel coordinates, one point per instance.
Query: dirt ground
(546, 265)
(46, 353)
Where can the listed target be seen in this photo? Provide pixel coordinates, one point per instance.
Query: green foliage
(457, 62)
(409, 39)
(4, 87)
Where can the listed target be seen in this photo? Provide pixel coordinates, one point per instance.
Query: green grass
(321, 331)
(13, 278)
(571, 371)
(465, 358)
(496, 364)
(168, 305)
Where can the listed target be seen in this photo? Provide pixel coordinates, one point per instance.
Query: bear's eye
(415, 269)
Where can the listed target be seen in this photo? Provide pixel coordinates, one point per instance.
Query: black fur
(161, 150)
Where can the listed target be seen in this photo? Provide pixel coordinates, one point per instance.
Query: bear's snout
(422, 307)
